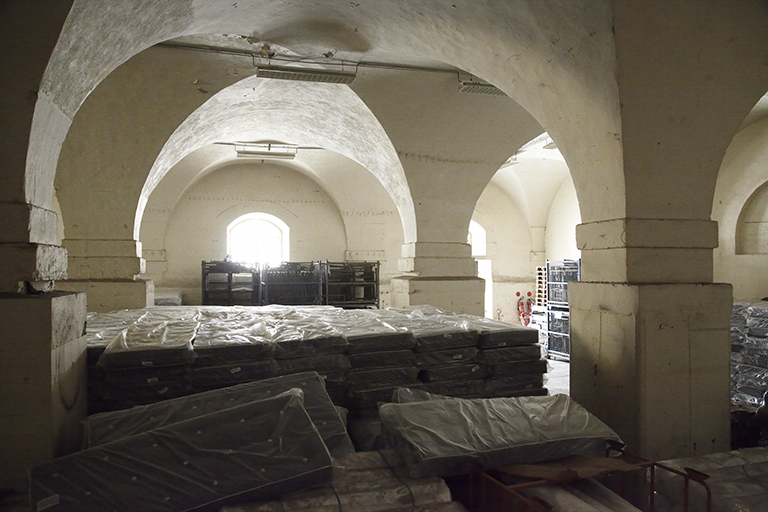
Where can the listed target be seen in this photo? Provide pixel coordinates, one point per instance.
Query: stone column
(650, 335)
(110, 271)
(443, 275)
(43, 380)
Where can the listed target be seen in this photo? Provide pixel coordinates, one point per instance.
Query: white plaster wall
(197, 226)
(564, 216)
(371, 219)
(742, 173)
(508, 247)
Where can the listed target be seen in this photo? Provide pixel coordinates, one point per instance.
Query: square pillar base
(111, 295)
(653, 362)
(456, 294)
(43, 381)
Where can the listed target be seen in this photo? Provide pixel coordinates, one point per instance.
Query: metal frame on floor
(516, 501)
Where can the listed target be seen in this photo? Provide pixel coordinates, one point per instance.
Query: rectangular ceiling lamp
(305, 74)
(480, 88)
(265, 151)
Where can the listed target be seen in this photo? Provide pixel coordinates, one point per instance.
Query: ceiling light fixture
(264, 151)
(305, 74)
(472, 84)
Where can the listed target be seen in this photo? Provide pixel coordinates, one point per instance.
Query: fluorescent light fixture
(471, 84)
(265, 151)
(305, 74)
(478, 88)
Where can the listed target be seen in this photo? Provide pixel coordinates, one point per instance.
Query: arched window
(258, 238)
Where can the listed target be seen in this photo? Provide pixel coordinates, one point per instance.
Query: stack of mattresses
(234, 450)
(151, 359)
(305, 342)
(749, 353)
(100, 330)
(374, 481)
(163, 352)
(511, 356)
(232, 346)
(381, 359)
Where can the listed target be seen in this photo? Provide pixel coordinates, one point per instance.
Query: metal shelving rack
(292, 284)
(347, 284)
(351, 284)
(225, 283)
(559, 274)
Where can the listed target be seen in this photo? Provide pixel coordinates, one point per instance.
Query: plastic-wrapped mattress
(455, 436)
(439, 358)
(457, 388)
(213, 377)
(494, 333)
(255, 451)
(159, 338)
(510, 354)
(470, 371)
(503, 370)
(371, 481)
(110, 426)
(386, 359)
(320, 363)
(382, 377)
(514, 386)
(299, 337)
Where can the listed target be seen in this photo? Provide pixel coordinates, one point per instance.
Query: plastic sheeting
(456, 436)
(373, 481)
(110, 426)
(222, 346)
(391, 358)
(255, 451)
(439, 358)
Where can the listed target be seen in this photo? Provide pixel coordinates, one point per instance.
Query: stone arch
(322, 115)
(573, 93)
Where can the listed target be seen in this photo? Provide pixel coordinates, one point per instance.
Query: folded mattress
(110, 426)
(255, 451)
(457, 436)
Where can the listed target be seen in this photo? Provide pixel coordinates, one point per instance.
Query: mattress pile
(749, 353)
(138, 357)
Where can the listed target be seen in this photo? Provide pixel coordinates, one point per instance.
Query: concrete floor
(558, 377)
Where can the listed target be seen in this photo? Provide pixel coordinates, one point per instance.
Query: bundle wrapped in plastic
(161, 337)
(232, 336)
(495, 333)
(371, 481)
(256, 451)
(457, 436)
(110, 426)
(305, 336)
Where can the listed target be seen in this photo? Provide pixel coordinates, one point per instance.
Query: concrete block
(99, 267)
(43, 390)
(111, 295)
(660, 265)
(436, 249)
(69, 395)
(439, 267)
(647, 233)
(26, 223)
(459, 295)
(103, 248)
(642, 363)
(31, 262)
